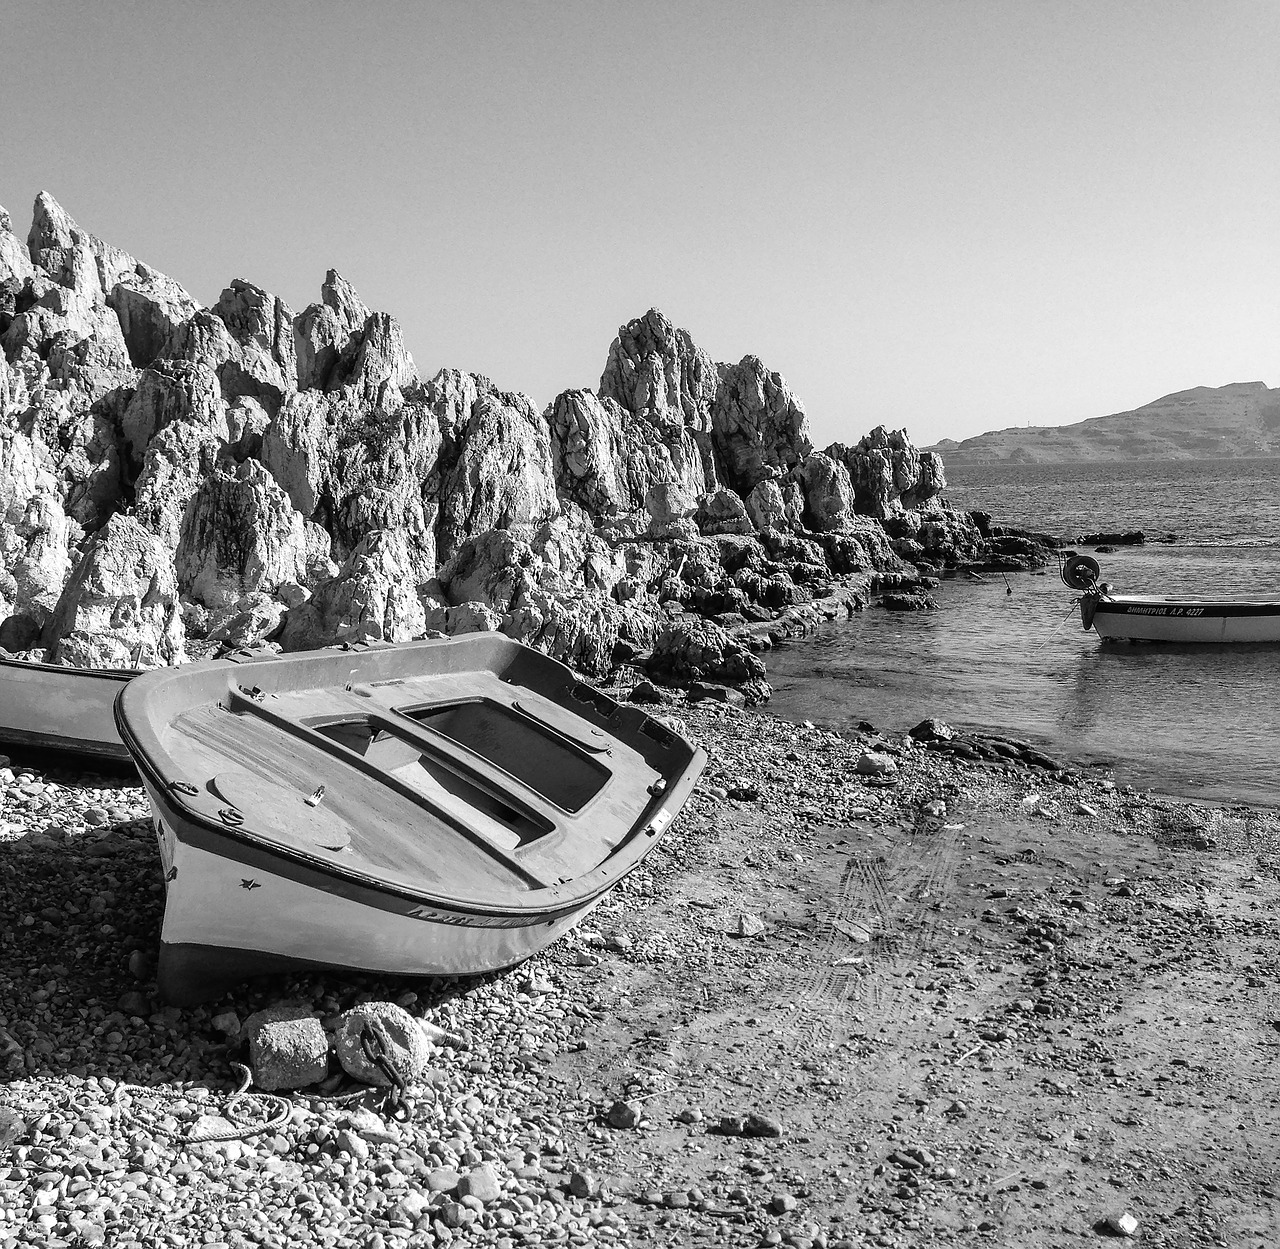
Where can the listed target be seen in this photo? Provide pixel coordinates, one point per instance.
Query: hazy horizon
(953, 218)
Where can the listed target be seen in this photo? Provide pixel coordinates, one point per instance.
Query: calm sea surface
(1197, 721)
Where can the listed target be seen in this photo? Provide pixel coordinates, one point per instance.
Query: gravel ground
(961, 998)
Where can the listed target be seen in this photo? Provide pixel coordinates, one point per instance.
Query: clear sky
(948, 215)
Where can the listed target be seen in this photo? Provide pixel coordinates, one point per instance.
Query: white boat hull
(225, 920)
(1184, 620)
(440, 808)
(69, 710)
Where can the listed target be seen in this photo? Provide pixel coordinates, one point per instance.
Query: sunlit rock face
(888, 473)
(120, 606)
(177, 480)
(759, 429)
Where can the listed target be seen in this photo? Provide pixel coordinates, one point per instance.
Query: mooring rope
(1075, 602)
(241, 1130)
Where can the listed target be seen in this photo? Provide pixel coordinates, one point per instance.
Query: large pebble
(481, 1183)
(1122, 1224)
(761, 1125)
(624, 1114)
(371, 1127)
(442, 1180)
(876, 763)
(933, 730)
(288, 1048)
(134, 1003)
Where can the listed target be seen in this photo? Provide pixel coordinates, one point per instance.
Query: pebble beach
(959, 997)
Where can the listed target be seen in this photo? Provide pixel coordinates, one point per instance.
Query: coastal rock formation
(889, 475)
(239, 534)
(372, 598)
(607, 458)
(35, 538)
(657, 372)
(828, 492)
(501, 473)
(758, 427)
(700, 650)
(180, 480)
(120, 606)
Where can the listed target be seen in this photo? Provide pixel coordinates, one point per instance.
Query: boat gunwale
(1124, 604)
(31, 665)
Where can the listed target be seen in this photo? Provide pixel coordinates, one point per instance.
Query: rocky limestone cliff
(178, 480)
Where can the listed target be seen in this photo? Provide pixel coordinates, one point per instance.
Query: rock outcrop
(758, 427)
(702, 651)
(176, 480)
(372, 598)
(120, 606)
(889, 475)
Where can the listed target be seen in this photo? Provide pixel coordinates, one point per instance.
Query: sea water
(1199, 721)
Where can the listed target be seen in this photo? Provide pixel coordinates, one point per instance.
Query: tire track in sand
(881, 920)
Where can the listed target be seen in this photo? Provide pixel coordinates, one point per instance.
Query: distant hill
(1239, 420)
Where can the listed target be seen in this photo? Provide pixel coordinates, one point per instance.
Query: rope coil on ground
(242, 1129)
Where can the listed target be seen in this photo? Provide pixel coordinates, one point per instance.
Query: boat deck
(457, 784)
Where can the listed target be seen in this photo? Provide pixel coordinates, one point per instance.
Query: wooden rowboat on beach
(68, 710)
(1168, 618)
(435, 808)
(71, 711)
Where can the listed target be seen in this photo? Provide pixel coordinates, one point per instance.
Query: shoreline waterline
(1189, 722)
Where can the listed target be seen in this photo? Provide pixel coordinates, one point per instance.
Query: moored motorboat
(1168, 618)
(436, 808)
(68, 710)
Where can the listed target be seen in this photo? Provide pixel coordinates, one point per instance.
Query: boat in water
(68, 710)
(443, 807)
(1160, 618)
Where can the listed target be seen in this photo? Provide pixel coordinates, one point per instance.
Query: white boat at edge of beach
(71, 711)
(1186, 618)
(444, 807)
(67, 710)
